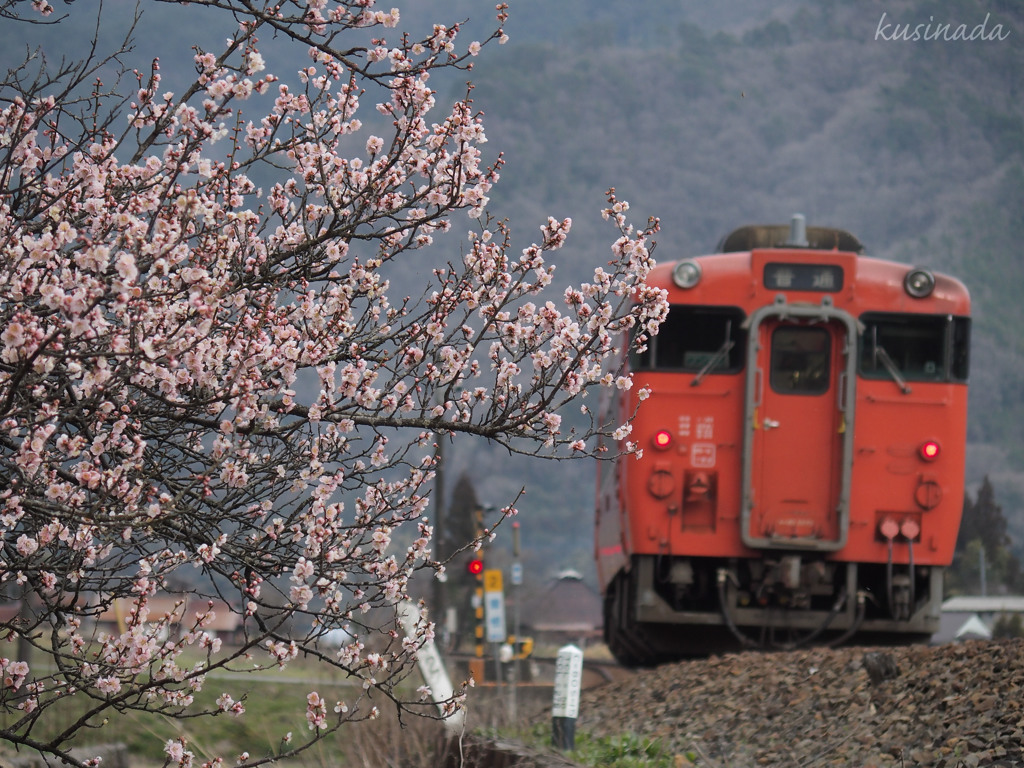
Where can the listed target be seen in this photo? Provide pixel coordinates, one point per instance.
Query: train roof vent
(788, 236)
(797, 231)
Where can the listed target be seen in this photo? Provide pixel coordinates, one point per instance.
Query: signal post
(490, 627)
(494, 616)
(475, 567)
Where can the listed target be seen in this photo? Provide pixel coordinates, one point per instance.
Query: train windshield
(910, 347)
(696, 339)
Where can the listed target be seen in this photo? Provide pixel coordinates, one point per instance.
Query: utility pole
(439, 613)
(517, 580)
(981, 568)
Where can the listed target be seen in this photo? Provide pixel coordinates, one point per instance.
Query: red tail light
(929, 450)
(662, 439)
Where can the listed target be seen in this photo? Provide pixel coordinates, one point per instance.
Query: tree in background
(984, 561)
(206, 385)
(461, 516)
(462, 519)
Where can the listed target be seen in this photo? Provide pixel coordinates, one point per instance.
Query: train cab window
(960, 343)
(800, 360)
(914, 347)
(696, 339)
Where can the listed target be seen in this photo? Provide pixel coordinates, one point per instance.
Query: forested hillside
(713, 115)
(710, 121)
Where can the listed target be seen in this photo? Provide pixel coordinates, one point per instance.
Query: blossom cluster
(207, 385)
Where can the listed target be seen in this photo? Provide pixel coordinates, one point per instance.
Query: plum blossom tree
(208, 387)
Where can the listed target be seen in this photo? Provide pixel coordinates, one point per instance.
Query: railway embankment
(949, 706)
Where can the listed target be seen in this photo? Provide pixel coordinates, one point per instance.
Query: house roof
(180, 612)
(973, 627)
(568, 605)
(984, 604)
(9, 610)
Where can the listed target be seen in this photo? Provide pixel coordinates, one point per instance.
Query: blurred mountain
(710, 116)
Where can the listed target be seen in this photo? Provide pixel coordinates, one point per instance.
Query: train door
(797, 455)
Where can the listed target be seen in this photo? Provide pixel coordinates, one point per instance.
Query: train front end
(802, 477)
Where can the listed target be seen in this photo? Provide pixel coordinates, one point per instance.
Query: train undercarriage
(665, 608)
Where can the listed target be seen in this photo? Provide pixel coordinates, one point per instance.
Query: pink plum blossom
(210, 388)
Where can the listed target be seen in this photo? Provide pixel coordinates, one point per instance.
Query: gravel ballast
(949, 706)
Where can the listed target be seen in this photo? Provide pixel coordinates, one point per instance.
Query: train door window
(914, 347)
(693, 339)
(800, 360)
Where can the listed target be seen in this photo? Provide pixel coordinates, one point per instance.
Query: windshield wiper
(887, 363)
(718, 357)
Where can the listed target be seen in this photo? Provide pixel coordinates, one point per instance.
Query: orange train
(803, 469)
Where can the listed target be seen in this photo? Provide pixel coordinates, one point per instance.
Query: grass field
(275, 704)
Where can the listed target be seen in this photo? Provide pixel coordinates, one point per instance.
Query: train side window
(800, 360)
(960, 341)
(696, 338)
(916, 347)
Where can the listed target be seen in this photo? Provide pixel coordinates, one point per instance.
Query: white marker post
(566, 705)
(432, 669)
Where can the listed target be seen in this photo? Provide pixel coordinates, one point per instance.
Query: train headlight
(662, 440)
(919, 283)
(686, 274)
(929, 450)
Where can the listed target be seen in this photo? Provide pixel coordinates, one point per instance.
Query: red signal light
(662, 439)
(475, 566)
(929, 450)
